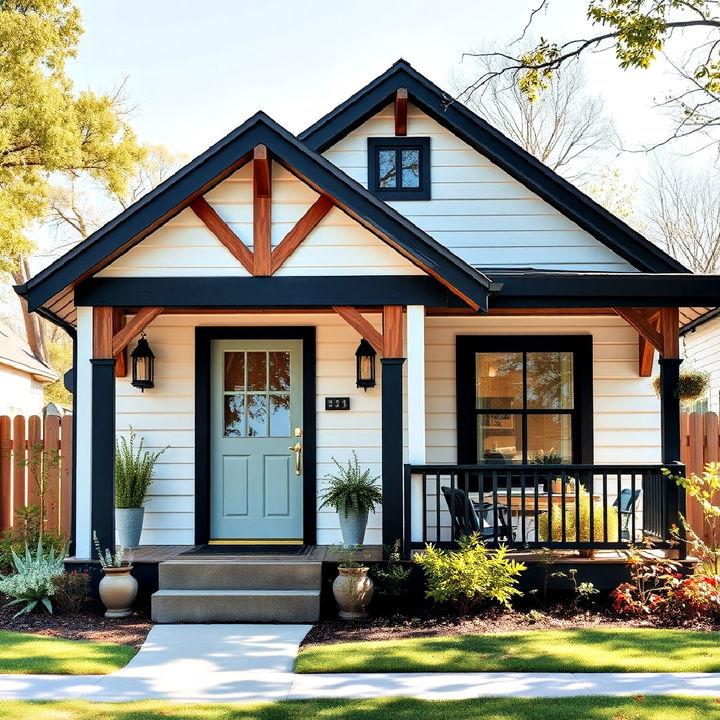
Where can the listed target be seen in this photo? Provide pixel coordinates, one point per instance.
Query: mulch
(86, 625)
(328, 632)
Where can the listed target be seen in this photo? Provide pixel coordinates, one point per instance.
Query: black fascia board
(218, 162)
(508, 155)
(314, 291)
(567, 289)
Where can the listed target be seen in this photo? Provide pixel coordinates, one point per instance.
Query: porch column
(82, 403)
(102, 464)
(392, 425)
(669, 378)
(416, 412)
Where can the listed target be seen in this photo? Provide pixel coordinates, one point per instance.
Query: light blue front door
(256, 415)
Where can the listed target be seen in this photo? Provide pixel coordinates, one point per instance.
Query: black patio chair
(625, 503)
(492, 522)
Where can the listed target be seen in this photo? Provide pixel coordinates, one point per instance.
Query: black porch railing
(533, 506)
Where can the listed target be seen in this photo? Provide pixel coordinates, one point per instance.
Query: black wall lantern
(143, 365)
(365, 357)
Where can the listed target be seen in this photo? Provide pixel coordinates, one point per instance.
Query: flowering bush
(32, 582)
(697, 595)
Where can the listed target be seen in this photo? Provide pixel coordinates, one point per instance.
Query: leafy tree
(638, 31)
(60, 359)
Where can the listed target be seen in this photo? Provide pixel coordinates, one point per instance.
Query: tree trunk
(33, 327)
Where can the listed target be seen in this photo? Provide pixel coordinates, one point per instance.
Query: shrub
(697, 595)
(71, 591)
(352, 489)
(133, 471)
(27, 532)
(32, 582)
(392, 578)
(582, 496)
(470, 575)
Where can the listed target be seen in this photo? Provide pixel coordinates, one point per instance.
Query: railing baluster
(495, 505)
(438, 521)
(617, 500)
(536, 482)
(521, 515)
(605, 507)
(591, 500)
(509, 517)
(563, 505)
(631, 508)
(549, 493)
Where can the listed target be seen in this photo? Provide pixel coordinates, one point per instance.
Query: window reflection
(411, 168)
(387, 170)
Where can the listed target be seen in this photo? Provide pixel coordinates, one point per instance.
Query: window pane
(234, 416)
(279, 370)
(257, 370)
(499, 438)
(387, 172)
(549, 435)
(550, 380)
(279, 416)
(235, 371)
(411, 168)
(257, 415)
(499, 381)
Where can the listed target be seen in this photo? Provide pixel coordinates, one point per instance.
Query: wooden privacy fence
(700, 444)
(36, 453)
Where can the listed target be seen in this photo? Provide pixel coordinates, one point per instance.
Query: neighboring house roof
(692, 317)
(216, 164)
(479, 134)
(15, 353)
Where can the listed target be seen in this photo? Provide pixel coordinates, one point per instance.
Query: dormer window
(399, 168)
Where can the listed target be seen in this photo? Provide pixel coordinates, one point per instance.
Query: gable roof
(15, 352)
(216, 164)
(508, 155)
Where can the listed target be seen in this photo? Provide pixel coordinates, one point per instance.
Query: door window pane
(387, 171)
(279, 371)
(257, 415)
(234, 416)
(410, 168)
(549, 434)
(499, 437)
(279, 416)
(235, 371)
(499, 381)
(257, 371)
(550, 380)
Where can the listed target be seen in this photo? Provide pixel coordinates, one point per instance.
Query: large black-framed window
(399, 167)
(524, 399)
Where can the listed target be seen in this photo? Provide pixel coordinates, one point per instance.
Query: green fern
(133, 471)
(351, 489)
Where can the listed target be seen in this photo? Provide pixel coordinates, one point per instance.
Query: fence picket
(51, 446)
(66, 460)
(34, 447)
(6, 512)
(18, 464)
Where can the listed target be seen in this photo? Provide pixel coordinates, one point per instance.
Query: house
(514, 320)
(22, 375)
(700, 332)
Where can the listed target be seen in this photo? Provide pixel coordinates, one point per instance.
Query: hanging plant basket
(692, 385)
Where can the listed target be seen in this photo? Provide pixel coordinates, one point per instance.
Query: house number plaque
(337, 403)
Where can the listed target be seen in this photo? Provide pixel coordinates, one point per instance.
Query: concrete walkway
(253, 663)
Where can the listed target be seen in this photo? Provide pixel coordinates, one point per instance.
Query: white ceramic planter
(128, 523)
(353, 591)
(118, 590)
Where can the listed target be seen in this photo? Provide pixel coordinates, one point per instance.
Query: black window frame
(398, 144)
(582, 413)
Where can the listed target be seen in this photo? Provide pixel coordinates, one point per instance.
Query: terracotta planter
(587, 553)
(353, 590)
(118, 590)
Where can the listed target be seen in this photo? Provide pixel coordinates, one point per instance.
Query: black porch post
(102, 464)
(670, 409)
(392, 449)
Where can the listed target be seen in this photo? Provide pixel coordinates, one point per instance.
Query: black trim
(203, 339)
(536, 289)
(73, 513)
(266, 292)
(392, 450)
(670, 409)
(489, 141)
(397, 144)
(210, 168)
(582, 424)
(102, 463)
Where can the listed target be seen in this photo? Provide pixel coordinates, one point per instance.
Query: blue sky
(197, 70)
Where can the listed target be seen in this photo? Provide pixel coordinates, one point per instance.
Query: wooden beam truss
(658, 329)
(389, 342)
(401, 108)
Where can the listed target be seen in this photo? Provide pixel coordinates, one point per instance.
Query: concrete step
(239, 575)
(218, 606)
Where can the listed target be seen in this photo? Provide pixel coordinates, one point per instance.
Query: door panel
(256, 404)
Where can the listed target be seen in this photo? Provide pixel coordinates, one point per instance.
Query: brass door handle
(298, 449)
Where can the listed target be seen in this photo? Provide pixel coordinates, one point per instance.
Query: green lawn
(36, 654)
(585, 708)
(612, 650)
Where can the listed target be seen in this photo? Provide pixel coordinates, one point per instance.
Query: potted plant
(352, 588)
(353, 493)
(692, 385)
(118, 588)
(133, 475)
(550, 458)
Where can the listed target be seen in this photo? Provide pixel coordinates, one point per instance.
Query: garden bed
(86, 625)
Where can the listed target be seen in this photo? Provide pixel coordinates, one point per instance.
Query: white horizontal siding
(477, 210)
(185, 247)
(166, 416)
(626, 411)
(702, 350)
